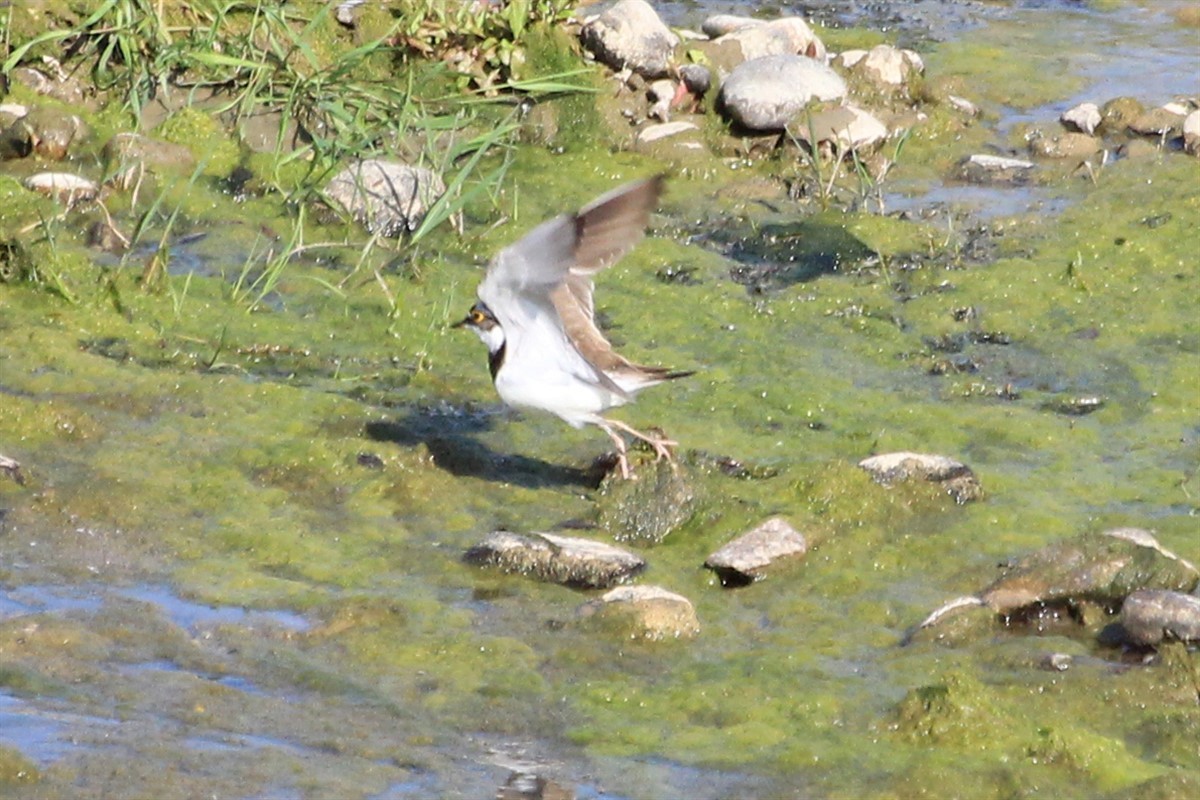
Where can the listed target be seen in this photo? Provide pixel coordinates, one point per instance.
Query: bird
(536, 315)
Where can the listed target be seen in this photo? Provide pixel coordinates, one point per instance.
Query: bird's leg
(622, 459)
(662, 446)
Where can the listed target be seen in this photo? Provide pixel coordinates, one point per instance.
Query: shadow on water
(453, 443)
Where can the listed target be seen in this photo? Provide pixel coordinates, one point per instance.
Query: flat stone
(631, 35)
(556, 559)
(1070, 144)
(66, 187)
(1084, 118)
(1150, 616)
(387, 197)
(957, 478)
(1156, 122)
(653, 133)
(848, 126)
(767, 93)
(649, 612)
(988, 169)
(746, 558)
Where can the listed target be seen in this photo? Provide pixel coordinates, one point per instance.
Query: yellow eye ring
(477, 316)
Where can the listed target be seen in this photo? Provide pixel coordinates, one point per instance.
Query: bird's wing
(546, 276)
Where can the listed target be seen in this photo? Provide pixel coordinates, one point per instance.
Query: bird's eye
(477, 316)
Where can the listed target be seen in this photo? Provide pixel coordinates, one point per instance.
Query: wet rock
(883, 64)
(45, 131)
(989, 169)
(65, 187)
(1139, 149)
(526, 785)
(746, 558)
(556, 559)
(1065, 145)
(848, 127)
(1083, 118)
(128, 155)
(784, 36)
(1156, 122)
(653, 133)
(1116, 114)
(648, 508)
(630, 35)
(765, 94)
(1084, 575)
(1102, 567)
(12, 468)
(957, 478)
(1075, 406)
(649, 612)
(387, 197)
(1191, 133)
(1149, 616)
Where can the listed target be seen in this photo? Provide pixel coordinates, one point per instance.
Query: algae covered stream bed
(233, 567)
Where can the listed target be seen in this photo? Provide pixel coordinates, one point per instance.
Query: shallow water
(235, 568)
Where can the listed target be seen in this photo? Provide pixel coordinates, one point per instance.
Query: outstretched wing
(545, 279)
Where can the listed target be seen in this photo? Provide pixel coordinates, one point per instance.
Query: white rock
(630, 35)
(68, 188)
(1083, 117)
(963, 104)
(766, 93)
(883, 63)
(653, 133)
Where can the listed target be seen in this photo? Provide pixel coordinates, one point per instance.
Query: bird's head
(481, 320)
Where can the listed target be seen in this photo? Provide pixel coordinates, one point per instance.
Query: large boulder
(765, 94)
(631, 35)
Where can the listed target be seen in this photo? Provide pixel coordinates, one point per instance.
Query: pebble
(1149, 616)
(631, 35)
(1083, 118)
(568, 560)
(765, 94)
(388, 197)
(745, 559)
(653, 133)
(957, 478)
(650, 612)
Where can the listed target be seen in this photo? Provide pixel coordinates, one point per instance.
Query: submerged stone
(957, 478)
(746, 558)
(1149, 616)
(646, 509)
(556, 559)
(649, 612)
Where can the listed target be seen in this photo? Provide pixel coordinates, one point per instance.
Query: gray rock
(128, 155)
(883, 64)
(631, 35)
(646, 510)
(1070, 144)
(1191, 133)
(957, 478)
(1103, 567)
(556, 559)
(989, 169)
(387, 197)
(1083, 118)
(784, 36)
(765, 94)
(1090, 572)
(649, 612)
(1157, 122)
(848, 127)
(746, 558)
(1149, 616)
(721, 24)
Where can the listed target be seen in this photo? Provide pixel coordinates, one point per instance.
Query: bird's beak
(461, 323)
